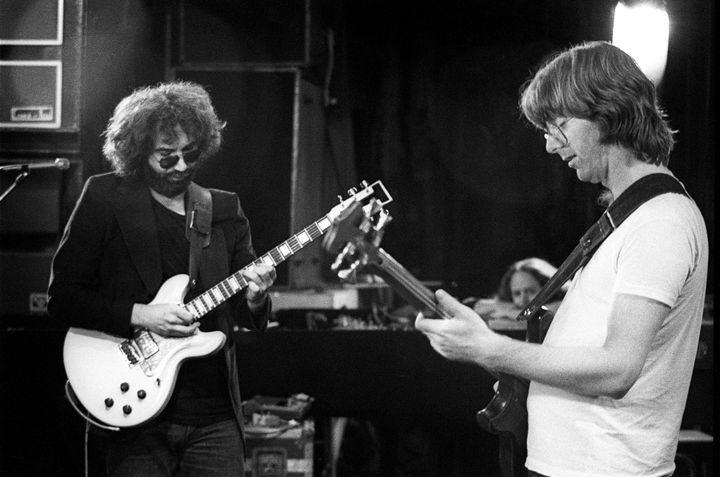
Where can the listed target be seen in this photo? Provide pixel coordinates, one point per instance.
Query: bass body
(506, 413)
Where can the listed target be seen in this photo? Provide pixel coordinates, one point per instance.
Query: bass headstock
(367, 193)
(355, 237)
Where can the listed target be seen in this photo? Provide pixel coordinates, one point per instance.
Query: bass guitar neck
(407, 285)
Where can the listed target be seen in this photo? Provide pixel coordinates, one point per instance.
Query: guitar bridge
(130, 353)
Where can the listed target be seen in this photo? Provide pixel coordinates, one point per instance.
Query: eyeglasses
(168, 161)
(555, 131)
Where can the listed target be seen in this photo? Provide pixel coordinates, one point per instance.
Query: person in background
(609, 382)
(518, 285)
(127, 234)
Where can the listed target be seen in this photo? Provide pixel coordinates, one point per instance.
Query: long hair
(147, 111)
(537, 268)
(601, 83)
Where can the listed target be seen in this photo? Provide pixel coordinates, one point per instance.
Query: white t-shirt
(659, 252)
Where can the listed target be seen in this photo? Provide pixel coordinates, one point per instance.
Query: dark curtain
(433, 88)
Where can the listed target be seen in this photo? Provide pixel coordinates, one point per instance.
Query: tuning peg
(383, 218)
(348, 275)
(346, 263)
(340, 199)
(364, 183)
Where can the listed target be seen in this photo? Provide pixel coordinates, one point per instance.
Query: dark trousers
(165, 449)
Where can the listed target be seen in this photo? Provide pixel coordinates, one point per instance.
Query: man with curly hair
(128, 234)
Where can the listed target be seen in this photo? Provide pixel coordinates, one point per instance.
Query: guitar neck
(218, 294)
(409, 287)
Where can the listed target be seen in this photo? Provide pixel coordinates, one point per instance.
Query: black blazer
(109, 259)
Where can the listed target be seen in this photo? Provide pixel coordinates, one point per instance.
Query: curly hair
(601, 83)
(130, 133)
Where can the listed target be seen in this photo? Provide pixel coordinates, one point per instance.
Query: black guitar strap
(639, 192)
(198, 224)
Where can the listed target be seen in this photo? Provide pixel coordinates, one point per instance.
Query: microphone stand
(20, 177)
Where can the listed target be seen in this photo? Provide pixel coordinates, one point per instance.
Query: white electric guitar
(125, 382)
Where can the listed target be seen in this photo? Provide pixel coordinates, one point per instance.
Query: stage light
(642, 29)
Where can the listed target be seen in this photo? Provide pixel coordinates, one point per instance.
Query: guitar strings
(412, 284)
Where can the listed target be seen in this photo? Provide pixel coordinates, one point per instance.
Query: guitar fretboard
(218, 294)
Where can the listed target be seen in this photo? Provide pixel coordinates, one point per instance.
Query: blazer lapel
(133, 210)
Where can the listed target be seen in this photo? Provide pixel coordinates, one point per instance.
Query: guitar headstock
(355, 237)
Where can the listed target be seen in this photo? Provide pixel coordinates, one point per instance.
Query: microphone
(60, 163)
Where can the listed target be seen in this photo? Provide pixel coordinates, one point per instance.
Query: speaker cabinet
(40, 55)
(36, 22)
(32, 92)
(33, 206)
(41, 435)
(24, 277)
(224, 31)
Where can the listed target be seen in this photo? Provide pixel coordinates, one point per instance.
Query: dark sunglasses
(166, 162)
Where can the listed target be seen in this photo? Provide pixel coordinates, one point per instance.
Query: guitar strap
(198, 224)
(639, 192)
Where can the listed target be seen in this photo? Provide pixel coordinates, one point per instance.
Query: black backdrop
(433, 88)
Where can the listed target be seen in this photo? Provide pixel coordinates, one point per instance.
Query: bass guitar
(354, 239)
(124, 382)
(506, 413)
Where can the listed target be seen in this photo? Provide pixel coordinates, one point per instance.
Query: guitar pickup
(140, 348)
(145, 343)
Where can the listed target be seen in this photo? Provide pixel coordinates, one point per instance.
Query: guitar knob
(109, 402)
(127, 409)
(141, 394)
(124, 387)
